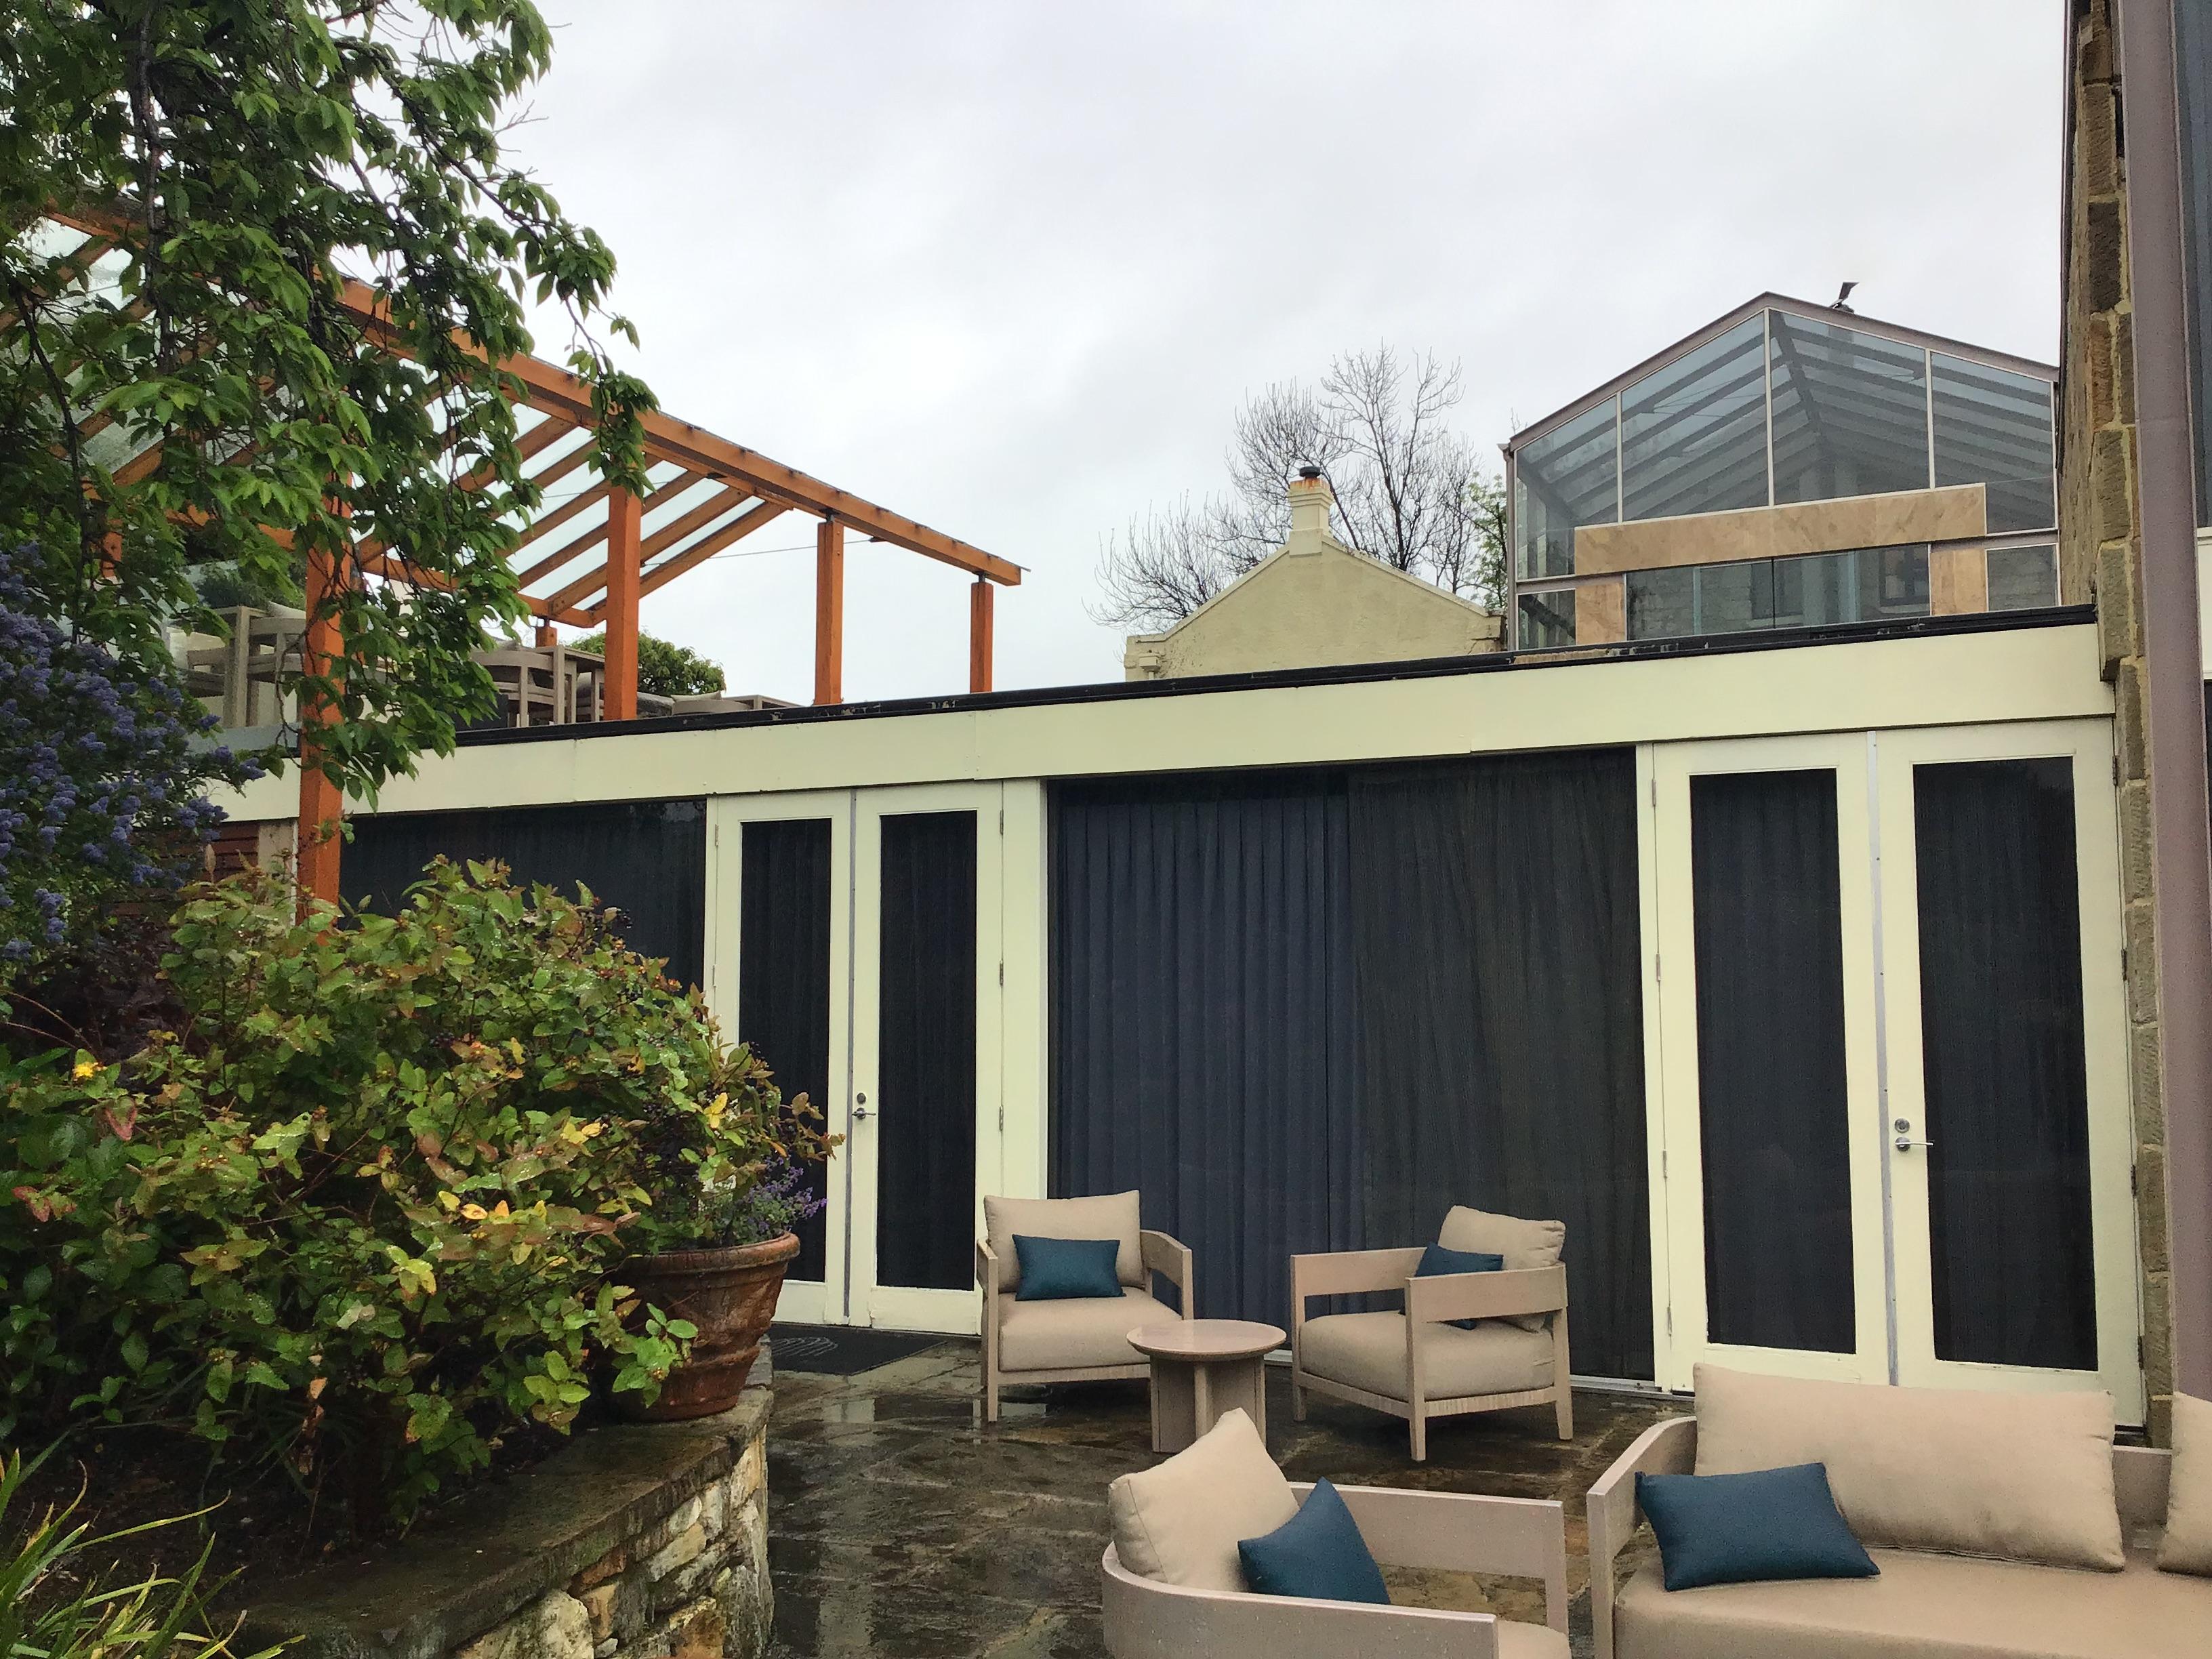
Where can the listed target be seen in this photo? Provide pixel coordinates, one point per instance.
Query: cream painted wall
(1997, 676)
(1314, 606)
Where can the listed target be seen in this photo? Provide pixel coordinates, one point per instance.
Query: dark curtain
(647, 860)
(1771, 1088)
(1201, 1014)
(2007, 1081)
(1500, 1019)
(925, 1120)
(783, 979)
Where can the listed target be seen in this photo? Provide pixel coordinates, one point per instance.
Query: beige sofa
(1070, 1342)
(1411, 1363)
(1171, 1586)
(2003, 1524)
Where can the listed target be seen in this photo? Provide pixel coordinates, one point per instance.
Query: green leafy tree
(245, 159)
(666, 669)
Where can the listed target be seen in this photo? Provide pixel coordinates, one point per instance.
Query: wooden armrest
(1456, 1532)
(987, 1267)
(1486, 1296)
(1349, 1272)
(1147, 1619)
(1170, 1258)
(1668, 1447)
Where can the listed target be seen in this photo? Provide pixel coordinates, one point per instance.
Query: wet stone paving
(900, 1525)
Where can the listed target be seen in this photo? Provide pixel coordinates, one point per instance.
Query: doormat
(840, 1350)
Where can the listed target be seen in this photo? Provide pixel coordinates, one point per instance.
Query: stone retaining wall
(641, 1541)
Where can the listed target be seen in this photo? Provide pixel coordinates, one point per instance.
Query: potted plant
(722, 1236)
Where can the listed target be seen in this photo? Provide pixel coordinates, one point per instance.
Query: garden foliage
(365, 1209)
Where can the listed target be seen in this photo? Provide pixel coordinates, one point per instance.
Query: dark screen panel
(645, 859)
(1499, 1000)
(783, 978)
(925, 1116)
(2006, 1072)
(1772, 1092)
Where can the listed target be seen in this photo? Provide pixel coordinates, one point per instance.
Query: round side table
(1203, 1369)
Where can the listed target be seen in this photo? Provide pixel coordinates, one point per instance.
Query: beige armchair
(1070, 1342)
(1171, 1585)
(1412, 1364)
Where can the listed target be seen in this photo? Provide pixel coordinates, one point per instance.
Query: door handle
(860, 1107)
(1906, 1143)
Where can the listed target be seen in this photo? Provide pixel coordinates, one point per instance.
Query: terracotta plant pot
(730, 1295)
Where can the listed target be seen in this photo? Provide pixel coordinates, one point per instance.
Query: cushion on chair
(1113, 1215)
(2020, 1476)
(1368, 1351)
(1180, 1521)
(1064, 1269)
(1069, 1335)
(1524, 1244)
(2188, 1544)
(1923, 1606)
(1318, 1553)
(1437, 1262)
(1742, 1528)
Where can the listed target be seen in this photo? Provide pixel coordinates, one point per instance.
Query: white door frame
(2087, 747)
(1678, 1197)
(802, 1300)
(867, 1301)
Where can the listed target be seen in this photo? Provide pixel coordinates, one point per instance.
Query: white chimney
(1312, 499)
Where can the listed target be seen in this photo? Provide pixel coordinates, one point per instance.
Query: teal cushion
(1436, 1262)
(1064, 1269)
(1318, 1553)
(1740, 1528)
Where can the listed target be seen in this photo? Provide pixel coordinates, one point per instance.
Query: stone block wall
(2101, 558)
(640, 1541)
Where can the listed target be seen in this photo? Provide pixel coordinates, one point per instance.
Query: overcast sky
(1008, 268)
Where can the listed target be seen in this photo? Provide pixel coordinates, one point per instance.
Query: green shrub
(363, 1211)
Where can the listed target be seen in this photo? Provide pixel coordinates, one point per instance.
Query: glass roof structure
(1782, 402)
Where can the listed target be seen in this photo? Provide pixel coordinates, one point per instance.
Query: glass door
(1769, 1071)
(2007, 1127)
(1892, 1093)
(923, 1125)
(858, 953)
(779, 978)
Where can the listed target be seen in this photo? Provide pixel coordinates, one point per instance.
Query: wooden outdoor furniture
(1203, 1368)
(1412, 1364)
(1080, 1340)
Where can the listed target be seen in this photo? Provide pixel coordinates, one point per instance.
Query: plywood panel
(1781, 532)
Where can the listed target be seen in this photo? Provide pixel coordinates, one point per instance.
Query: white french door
(857, 947)
(1890, 1084)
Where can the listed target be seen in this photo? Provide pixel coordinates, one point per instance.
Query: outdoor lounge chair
(1181, 1591)
(1411, 1365)
(1070, 1342)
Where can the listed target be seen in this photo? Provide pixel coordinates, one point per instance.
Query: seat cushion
(1055, 1336)
(1180, 1521)
(1112, 1215)
(1518, 1641)
(2024, 1477)
(2188, 1545)
(1368, 1351)
(1524, 1244)
(1925, 1606)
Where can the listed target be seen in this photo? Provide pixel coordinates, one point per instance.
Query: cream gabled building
(1314, 603)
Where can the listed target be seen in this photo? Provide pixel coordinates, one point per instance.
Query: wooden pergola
(593, 549)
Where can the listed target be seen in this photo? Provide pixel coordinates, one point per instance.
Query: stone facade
(2101, 558)
(642, 1542)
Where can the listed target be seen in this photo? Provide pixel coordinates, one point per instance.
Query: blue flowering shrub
(103, 814)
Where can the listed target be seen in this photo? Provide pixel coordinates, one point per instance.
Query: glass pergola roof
(1782, 402)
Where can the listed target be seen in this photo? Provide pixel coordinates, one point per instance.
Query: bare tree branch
(1411, 492)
